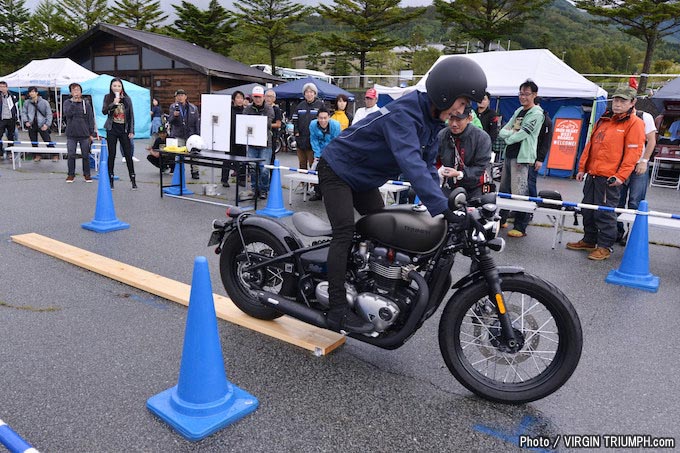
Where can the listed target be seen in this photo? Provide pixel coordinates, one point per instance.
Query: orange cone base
(196, 421)
(647, 282)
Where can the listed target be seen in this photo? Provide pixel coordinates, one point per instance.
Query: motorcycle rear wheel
(544, 320)
(261, 245)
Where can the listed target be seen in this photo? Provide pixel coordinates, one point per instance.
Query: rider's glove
(457, 219)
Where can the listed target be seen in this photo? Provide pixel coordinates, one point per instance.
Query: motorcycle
(506, 335)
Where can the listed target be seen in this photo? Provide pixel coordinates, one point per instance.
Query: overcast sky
(203, 4)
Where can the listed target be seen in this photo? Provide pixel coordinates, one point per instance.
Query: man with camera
(608, 159)
(184, 122)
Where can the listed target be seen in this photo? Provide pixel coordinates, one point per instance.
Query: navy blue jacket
(399, 139)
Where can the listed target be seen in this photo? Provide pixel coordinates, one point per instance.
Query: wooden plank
(319, 341)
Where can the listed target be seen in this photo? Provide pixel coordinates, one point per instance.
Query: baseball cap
(625, 93)
(371, 93)
(258, 91)
(180, 91)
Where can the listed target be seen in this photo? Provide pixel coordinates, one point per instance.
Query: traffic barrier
(13, 441)
(178, 179)
(274, 206)
(105, 219)
(203, 401)
(634, 269)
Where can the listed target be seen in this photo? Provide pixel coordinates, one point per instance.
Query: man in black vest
(8, 114)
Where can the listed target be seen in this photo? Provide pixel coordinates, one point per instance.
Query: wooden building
(160, 63)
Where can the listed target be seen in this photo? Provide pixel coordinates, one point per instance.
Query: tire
(260, 244)
(279, 145)
(547, 324)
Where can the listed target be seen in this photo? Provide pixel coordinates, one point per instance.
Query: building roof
(197, 58)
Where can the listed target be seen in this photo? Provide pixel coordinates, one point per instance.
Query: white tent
(50, 73)
(505, 71)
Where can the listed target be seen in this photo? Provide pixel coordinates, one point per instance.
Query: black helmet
(454, 77)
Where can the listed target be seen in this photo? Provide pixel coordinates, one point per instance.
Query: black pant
(7, 127)
(340, 201)
(33, 136)
(71, 143)
(600, 226)
(112, 139)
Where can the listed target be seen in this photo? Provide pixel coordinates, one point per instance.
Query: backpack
(545, 136)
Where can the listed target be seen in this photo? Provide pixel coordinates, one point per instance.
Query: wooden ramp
(288, 329)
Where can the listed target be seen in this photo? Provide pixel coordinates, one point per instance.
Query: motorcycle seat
(309, 224)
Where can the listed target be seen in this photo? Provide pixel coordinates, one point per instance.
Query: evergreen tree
(78, 16)
(268, 24)
(138, 14)
(368, 23)
(648, 20)
(211, 28)
(488, 20)
(42, 28)
(13, 18)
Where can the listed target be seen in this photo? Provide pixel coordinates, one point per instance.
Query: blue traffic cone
(203, 401)
(105, 219)
(634, 270)
(275, 200)
(178, 179)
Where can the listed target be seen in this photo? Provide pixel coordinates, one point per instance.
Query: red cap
(371, 93)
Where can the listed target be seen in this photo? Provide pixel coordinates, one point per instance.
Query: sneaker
(263, 195)
(88, 178)
(516, 234)
(600, 254)
(246, 195)
(342, 318)
(134, 159)
(226, 184)
(69, 179)
(581, 245)
(123, 160)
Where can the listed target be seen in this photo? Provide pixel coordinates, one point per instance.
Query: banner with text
(564, 145)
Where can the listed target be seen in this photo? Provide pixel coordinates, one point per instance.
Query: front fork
(487, 266)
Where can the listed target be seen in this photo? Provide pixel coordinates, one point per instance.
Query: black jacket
(79, 118)
(302, 117)
(187, 123)
(109, 108)
(475, 145)
(490, 123)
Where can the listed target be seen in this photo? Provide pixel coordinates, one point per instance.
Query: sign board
(252, 130)
(216, 121)
(564, 143)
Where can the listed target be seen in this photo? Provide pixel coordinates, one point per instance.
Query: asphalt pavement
(80, 354)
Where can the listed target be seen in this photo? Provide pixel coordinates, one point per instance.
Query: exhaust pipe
(294, 309)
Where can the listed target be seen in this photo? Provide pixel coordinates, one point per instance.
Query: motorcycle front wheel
(545, 323)
(241, 284)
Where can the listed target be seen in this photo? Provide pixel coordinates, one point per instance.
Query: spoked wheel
(241, 283)
(545, 324)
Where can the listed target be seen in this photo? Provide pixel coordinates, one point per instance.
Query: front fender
(477, 275)
(282, 232)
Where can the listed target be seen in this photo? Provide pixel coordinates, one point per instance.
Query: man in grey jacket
(36, 115)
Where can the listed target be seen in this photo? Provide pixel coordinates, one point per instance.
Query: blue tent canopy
(668, 92)
(141, 102)
(293, 90)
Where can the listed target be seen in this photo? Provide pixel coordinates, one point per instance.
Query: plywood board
(288, 329)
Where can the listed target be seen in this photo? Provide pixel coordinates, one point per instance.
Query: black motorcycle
(506, 335)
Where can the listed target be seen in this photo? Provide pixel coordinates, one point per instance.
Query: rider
(399, 139)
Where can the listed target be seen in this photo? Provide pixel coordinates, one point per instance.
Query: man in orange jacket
(608, 159)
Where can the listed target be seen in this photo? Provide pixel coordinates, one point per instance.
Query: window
(128, 62)
(154, 60)
(103, 64)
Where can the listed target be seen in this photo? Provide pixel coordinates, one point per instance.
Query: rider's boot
(341, 317)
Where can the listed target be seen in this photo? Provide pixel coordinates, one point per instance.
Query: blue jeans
(634, 190)
(266, 154)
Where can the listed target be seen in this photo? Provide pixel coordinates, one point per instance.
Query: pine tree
(13, 18)
(211, 28)
(41, 27)
(138, 14)
(78, 16)
(268, 24)
(648, 20)
(488, 20)
(367, 25)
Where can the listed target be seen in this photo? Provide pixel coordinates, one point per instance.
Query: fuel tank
(403, 228)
